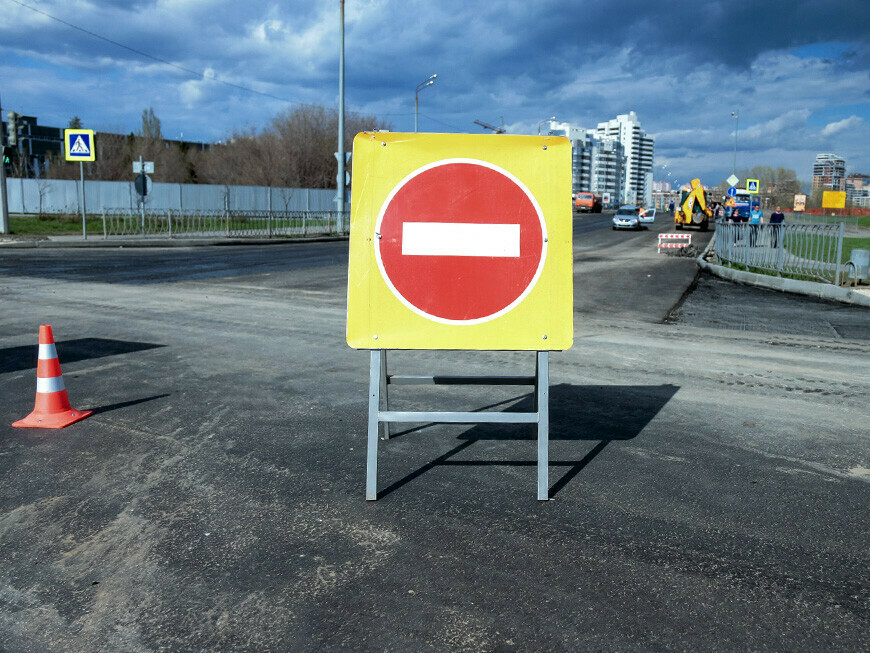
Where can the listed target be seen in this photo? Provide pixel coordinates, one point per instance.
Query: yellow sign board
(833, 199)
(460, 241)
(79, 144)
(752, 185)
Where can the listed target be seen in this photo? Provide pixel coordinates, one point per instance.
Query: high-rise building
(598, 163)
(638, 150)
(829, 172)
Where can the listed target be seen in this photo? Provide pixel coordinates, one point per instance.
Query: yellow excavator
(693, 208)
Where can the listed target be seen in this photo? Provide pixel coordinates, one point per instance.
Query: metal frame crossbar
(380, 380)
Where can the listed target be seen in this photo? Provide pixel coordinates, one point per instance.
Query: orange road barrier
(51, 409)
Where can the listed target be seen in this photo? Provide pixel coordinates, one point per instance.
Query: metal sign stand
(380, 380)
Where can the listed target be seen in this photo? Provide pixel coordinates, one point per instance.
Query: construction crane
(486, 125)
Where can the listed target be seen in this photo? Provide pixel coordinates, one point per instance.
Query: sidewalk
(857, 296)
(22, 242)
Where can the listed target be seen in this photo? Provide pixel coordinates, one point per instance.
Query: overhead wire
(194, 73)
(151, 56)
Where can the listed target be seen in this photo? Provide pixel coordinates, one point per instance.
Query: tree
(115, 154)
(295, 150)
(75, 123)
(150, 125)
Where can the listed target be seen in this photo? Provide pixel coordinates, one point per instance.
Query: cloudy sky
(798, 73)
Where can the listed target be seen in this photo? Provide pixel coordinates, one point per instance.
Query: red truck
(587, 203)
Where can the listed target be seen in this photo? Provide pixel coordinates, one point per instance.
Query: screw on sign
(460, 241)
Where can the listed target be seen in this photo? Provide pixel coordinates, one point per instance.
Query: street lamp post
(550, 119)
(420, 87)
(736, 116)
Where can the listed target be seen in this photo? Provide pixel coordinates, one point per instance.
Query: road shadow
(602, 413)
(15, 359)
(123, 404)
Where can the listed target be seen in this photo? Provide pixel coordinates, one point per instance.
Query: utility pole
(4, 204)
(340, 178)
(736, 116)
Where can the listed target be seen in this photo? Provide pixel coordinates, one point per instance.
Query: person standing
(776, 220)
(756, 219)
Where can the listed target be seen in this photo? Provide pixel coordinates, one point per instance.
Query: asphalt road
(710, 466)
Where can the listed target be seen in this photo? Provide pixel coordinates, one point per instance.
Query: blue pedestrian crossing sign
(79, 144)
(752, 185)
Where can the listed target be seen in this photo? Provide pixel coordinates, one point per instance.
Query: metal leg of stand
(542, 397)
(374, 408)
(385, 391)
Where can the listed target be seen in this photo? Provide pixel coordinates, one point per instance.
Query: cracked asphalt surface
(709, 466)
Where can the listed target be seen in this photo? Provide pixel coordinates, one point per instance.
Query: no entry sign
(460, 242)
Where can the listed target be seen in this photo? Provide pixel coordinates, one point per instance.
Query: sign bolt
(544, 337)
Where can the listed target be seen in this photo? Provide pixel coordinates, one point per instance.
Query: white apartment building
(597, 163)
(616, 158)
(638, 149)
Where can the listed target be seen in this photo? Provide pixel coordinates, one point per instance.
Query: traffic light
(8, 153)
(12, 127)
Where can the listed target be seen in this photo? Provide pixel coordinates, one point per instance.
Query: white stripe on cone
(54, 384)
(47, 352)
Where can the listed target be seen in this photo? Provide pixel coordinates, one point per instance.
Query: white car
(633, 217)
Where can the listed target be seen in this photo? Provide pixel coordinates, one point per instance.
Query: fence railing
(222, 224)
(852, 222)
(806, 250)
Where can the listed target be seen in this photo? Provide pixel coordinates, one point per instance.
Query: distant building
(597, 164)
(858, 190)
(33, 144)
(829, 172)
(638, 149)
(615, 159)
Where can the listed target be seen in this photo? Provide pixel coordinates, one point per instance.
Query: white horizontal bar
(54, 384)
(460, 239)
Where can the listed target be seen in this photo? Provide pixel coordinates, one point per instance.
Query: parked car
(631, 216)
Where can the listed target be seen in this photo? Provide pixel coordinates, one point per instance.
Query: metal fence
(805, 250)
(852, 222)
(63, 196)
(222, 224)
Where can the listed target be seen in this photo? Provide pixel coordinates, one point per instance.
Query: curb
(782, 284)
(47, 243)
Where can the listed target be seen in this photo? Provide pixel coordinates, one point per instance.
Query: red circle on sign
(460, 241)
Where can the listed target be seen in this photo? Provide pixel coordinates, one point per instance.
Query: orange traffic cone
(52, 409)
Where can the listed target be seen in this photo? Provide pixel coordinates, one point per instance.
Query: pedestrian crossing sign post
(79, 144)
(752, 185)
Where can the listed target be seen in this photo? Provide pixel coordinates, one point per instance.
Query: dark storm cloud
(797, 72)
